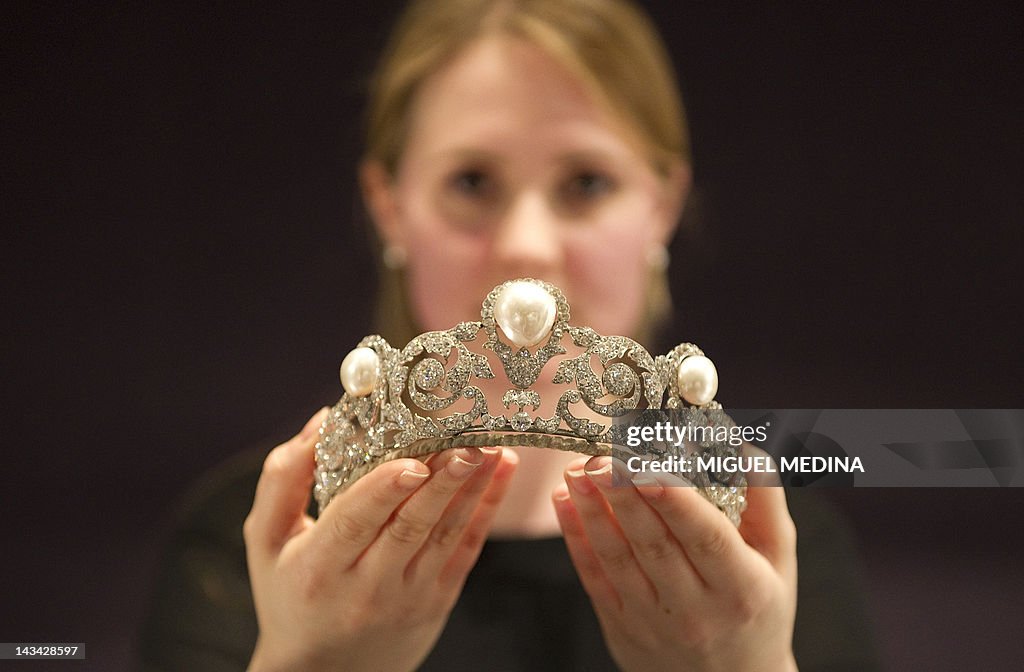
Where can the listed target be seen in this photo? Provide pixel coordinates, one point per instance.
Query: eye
(469, 196)
(588, 185)
(472, 182)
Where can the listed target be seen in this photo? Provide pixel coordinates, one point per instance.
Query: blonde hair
(609, 44)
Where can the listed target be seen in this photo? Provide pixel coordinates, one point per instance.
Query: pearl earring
(394, 257)
(658, 257)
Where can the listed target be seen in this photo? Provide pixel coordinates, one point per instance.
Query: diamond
(493, 422)
(618, 379)
(521, 421)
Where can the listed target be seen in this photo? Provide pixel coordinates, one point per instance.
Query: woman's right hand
(369, 584)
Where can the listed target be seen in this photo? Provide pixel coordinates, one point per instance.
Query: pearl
(525, 312)
(697, 379)
(359, 372)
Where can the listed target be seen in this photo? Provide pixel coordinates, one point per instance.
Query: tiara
(421, 399)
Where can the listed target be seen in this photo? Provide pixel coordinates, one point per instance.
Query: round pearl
(525, 312)
(359, 372)
(697, 379)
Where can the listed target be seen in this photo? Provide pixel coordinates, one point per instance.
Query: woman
(519, 139)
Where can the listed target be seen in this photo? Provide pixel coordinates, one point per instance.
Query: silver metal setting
(409, 412)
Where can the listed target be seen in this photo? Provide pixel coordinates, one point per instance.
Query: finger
(404, 534)
(283, 490)
(588, 567)
(767, 526)
(713, 545)
(607, 540)
(354, 518)
(448, 531)
(465, 555)
(653, 544)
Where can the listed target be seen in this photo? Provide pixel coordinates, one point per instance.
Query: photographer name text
(755, 464)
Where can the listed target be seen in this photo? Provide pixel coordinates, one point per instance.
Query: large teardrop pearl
(697, 379)
(525, 312)
(359, 371)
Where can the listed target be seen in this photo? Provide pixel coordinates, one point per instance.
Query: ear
(676, 188)
(378, 191)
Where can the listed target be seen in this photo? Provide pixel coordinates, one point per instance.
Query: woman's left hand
(674, 584)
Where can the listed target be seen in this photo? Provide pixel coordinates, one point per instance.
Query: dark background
(185, 262)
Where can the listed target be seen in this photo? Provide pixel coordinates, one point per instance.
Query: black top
(522, 607)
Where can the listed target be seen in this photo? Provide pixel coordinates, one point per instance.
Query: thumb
(768, 527)
(282, 493)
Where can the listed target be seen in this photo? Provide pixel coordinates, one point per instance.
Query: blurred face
(512, 170)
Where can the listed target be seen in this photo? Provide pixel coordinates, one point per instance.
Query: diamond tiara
(402, 403)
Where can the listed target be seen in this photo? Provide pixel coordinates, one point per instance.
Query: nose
(528, 241)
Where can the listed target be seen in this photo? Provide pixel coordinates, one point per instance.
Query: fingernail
(561, 494)
(460, 464)
(410, 480)
(580, 483)
(600, 471)
(648, 487)
(490, 456)
(471, 455)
